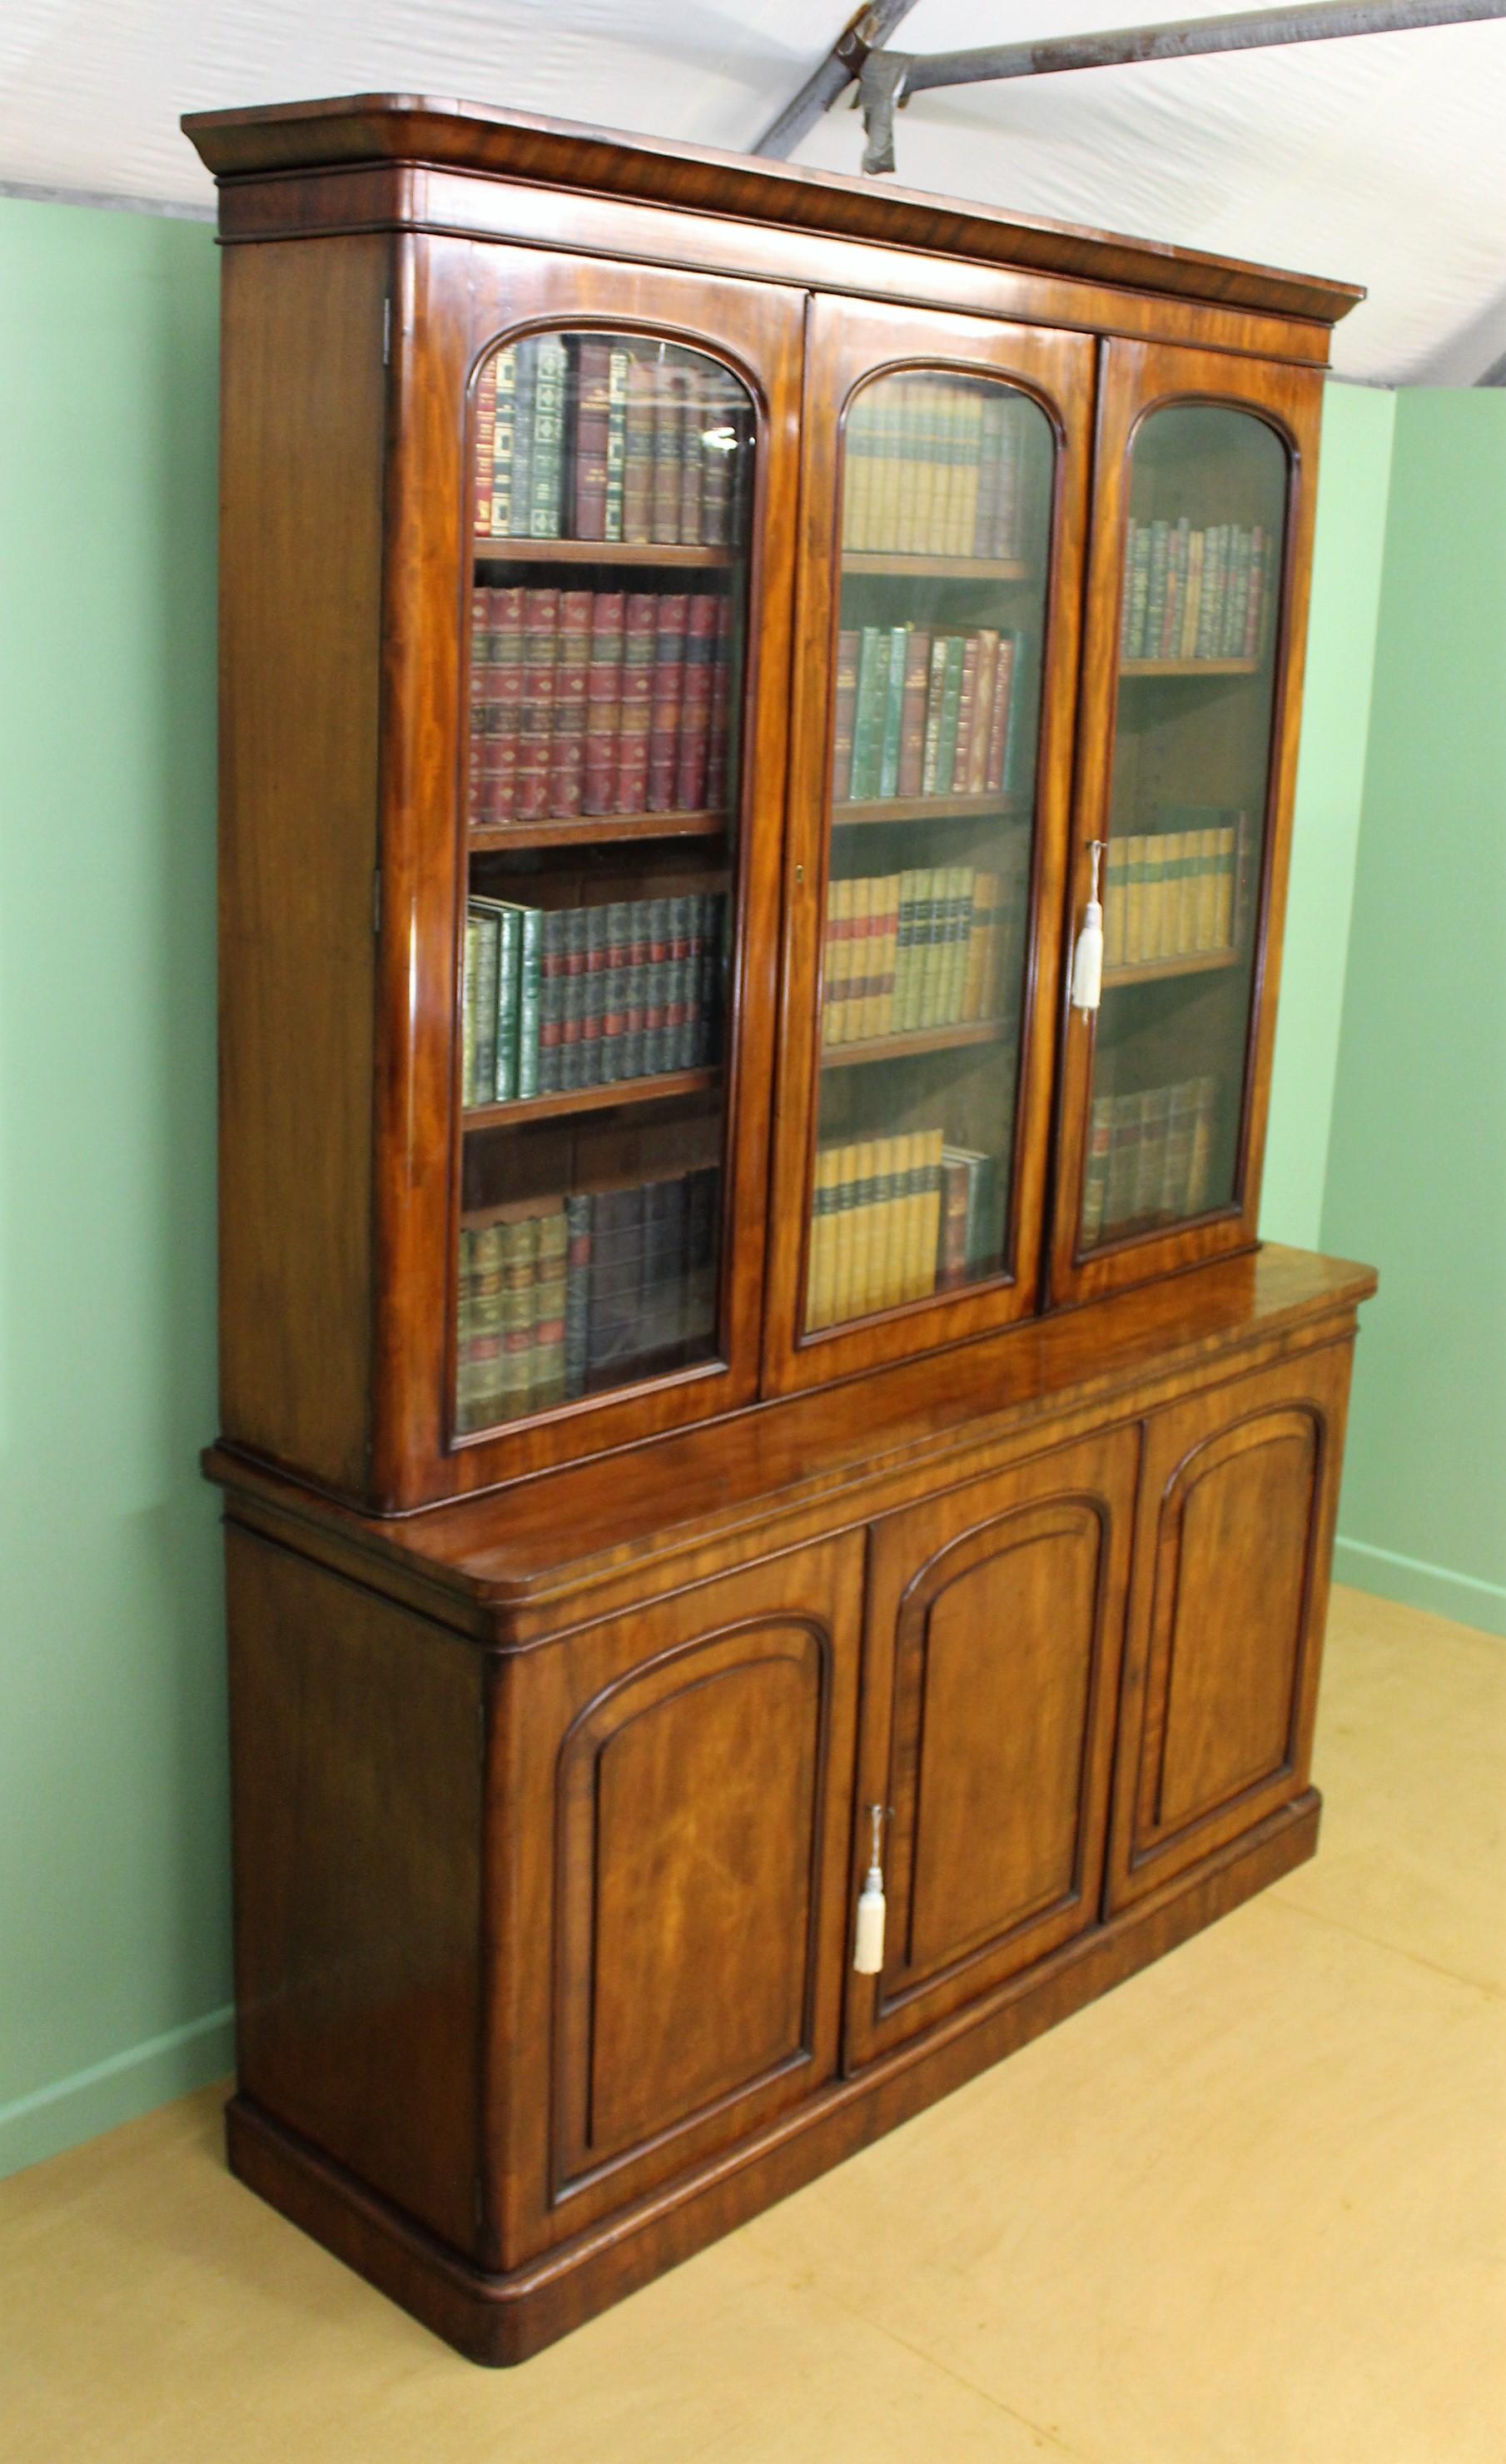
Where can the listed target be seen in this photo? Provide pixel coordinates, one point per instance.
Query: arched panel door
(943, 489)
(1202, 540)
(991, 1675)
(1230, 1590)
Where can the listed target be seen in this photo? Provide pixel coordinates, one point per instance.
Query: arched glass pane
(945, 520)
(1187, 825)
(612, 486)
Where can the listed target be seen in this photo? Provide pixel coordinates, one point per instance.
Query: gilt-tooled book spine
(505, 698)
(486, 1000)
(867, 747)
(578, 1291)
(635, 995)
(553, 961)
(615, 441)
(468, 1008)
(844, 704)
(893, 712)
(1007, 521)
(509, 959)
(984, 687)
(638, 451)
(498, 458)
(695, 714)
(550, 1304)
(857, 473)
(536, 721)
(951, 711)
(593, 996)
(656, 998)
(483, 713)
(612, 1046)
(571, 1058)
(529, 991)
(969, 446)
(668, 686)
(935, 689)
(1095, 1171)
(593, 383)
(639, 642)
(990, 439)
(841, 1234)
(817, 1265)
(1255, 608)
(692, 460)
(567, 739)
(669, 443)
(547, 484)
(604, 701)
(914, 674)
(719, 748)
(486, 445)
(718, 455)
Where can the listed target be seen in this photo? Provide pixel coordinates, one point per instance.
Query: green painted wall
(113, 1973)
(114, 1964)
(1354, 476)
(1417, 1161)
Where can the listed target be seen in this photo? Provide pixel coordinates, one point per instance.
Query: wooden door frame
(456, 298)
(1139, 379)
(852, 343)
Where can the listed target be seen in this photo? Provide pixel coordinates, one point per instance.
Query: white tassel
(1087, 958)
(867, 1950)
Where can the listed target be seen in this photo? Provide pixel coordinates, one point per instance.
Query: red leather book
(717, 782)
(481, 714)
(567, 747)
(692, 452)
(695, 710)
(593, 383)
(604, 701)
(844, 706)
(668, 685)
(535, 722)
(912, 709)
(637, 450)
(967, 712)
(637, 683)
(504, 698)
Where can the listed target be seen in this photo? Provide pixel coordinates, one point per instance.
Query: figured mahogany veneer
(554, 1744)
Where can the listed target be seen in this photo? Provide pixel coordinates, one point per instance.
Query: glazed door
(1232, 1547)
(1202, 546)
(589, 599)
(944, 487)
(991, 1663)
(677, 1796)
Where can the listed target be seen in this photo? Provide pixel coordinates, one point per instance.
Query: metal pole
(837, 70)
(1251, 29)
(885, 79)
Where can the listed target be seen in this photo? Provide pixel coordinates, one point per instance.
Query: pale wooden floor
(1251, 2207)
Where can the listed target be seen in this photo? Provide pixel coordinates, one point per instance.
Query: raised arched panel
(992, 1656)
(1230, 1589)
(690, 1823)
(995, 1666)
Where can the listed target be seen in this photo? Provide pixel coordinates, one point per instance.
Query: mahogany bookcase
(746, 1353)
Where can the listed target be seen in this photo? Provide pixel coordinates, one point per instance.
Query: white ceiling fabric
(1377, 160)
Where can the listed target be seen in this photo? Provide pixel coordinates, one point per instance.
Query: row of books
(573, 997)
(594, 437)
(597, 701)
(923, 714)
(1194, 594)
(931, 947)
(894, 1220)
(561, 1297)
(1150, 1157)
(935, 469)
(1174, 893)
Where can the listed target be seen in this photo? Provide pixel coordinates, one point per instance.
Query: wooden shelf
(591, 829)
(1190, 666)
(1160, 970)
(928, 809)
(880, 561)
(925, 1039)
(522, 551)
(590, 1099)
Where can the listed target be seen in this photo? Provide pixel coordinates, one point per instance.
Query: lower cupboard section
(545, 1953)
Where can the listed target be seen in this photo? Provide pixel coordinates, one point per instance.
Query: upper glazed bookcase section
(420, 131)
